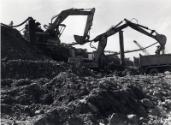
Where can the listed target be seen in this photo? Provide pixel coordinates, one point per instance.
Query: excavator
(102, 38)
(55, 28)
(48, 40)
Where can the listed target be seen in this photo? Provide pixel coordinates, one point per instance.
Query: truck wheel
(153, 71)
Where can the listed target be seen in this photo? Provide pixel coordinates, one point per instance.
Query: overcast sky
(152, 13)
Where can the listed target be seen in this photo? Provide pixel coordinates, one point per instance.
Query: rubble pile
(36, 90)
(17, 69)
(71, 99)
(14, 46)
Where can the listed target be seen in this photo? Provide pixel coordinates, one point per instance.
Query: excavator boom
(56, 21)
(142, 29)
(160, 38)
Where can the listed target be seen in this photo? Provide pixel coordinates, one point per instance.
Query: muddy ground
(36, 90)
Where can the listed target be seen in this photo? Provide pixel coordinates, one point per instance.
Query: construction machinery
(160, 62)
(153, 64)
(48, 39)
(102, 39)
(99, 60)
(51, 36)
(54, 30)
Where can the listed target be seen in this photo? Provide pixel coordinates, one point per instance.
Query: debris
(117, 119)
(147, 103)
(47, 100)
(132, 119)
(13, 46)
(39, 112)
(38, 90)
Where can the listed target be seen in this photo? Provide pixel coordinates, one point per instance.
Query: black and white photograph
(85, 62)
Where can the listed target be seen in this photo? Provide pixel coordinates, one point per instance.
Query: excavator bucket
(79, 39)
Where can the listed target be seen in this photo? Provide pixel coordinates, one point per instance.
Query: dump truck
(152, 64)
(102, 39)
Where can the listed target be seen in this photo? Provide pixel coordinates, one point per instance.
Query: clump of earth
(70, 99)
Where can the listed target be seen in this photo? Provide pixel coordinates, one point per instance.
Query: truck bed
(153, 60)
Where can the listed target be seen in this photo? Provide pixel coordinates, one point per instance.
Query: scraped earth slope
(13, 46)
(68, 99)
(20, 59)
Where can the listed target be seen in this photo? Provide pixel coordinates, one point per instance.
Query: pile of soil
(74, 100)
(20, 59)
(14, 46)
(36, 90)
(33, 69)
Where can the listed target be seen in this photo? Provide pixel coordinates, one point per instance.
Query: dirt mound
(71, 99)
(13, 46)
(78, 97)
(39, 91)
(18, 69)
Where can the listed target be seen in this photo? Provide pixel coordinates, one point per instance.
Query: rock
(51, 118)
(147, 103)
(22, 82)
(107, 101)
(93, 108)
(39, 112)
(6, 82)
(101, 123)
(28, 111)
(117, 119)
(156, 111)
(62, 76)
(7, 99)
(6, 121)
(121, 119)
(132, 119)
(14, 123)
(56, 116)
(47, 99)
(29, 94)
(6, 109)
(75, 121)
(167, 121)
(167, 104)
(83, 100)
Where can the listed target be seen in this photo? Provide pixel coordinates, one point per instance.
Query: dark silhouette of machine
(54, 30)
(102, 39)
(48, 39)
